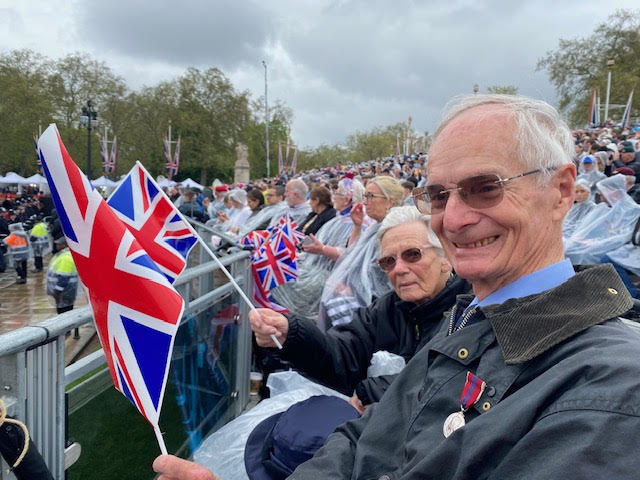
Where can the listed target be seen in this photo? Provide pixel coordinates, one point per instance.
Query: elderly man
(295, 194)
(533, 376)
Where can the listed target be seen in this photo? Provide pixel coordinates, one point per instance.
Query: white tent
(12, 178)
(166, 183)
(36, 179)
(188, 183)
(103, 182)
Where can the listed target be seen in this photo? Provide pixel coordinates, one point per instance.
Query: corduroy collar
(528, 326)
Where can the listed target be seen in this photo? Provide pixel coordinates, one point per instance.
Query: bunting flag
(626, 116)
(135, 308)
(154, 221)
(593, 109)
(280, 163)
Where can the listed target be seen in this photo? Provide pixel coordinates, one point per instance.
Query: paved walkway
(28, 303)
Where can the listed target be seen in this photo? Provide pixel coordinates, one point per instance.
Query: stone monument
(241, 169)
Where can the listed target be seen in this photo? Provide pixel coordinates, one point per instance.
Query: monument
(241, 169)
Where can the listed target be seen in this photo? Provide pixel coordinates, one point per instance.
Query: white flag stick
(163, 447)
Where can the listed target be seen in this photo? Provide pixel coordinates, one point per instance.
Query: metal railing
(35, 382)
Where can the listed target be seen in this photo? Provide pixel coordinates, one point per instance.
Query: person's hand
(222, 216)
(357, 214)
(314, 247)
(265, 322)
(357, 404)
(234, 229)
(174, 468)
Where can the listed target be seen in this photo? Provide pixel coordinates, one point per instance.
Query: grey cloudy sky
(342, 66)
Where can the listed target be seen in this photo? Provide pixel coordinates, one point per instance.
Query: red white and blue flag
(273, 262)
(135, 308)
(626, 116)
(171, 166)
(154, 221)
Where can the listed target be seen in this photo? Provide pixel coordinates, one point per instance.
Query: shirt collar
(536, 282)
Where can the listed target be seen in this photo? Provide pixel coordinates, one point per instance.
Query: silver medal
(453, 423)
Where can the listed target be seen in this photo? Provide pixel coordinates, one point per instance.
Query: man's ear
(563, 187)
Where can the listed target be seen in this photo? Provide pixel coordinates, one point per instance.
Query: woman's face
(340, 200)
(377, 205)
(588, 166)
(316, 206)
(253, 203)
(582, 193)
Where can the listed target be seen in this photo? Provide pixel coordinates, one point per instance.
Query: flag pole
(161, 444)
(233, 282)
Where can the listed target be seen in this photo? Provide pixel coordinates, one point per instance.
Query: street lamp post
(89, 118)
(266, 114)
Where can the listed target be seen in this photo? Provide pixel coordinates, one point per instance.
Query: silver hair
(299, 187)
(544, 138)
(405, 214)
(347, 186)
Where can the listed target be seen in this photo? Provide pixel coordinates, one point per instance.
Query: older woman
(255, 201)
(400, 321)
(582, 206)
(356, 280)
(240, 211)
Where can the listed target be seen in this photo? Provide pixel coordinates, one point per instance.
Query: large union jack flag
(135, 308)
(155, 222)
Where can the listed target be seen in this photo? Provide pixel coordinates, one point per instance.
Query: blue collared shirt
(536, 282)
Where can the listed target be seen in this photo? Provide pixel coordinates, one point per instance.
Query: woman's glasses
(410, 255)
(370, 196)
(480, 191)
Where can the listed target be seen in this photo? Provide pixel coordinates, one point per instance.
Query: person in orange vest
(18, 248)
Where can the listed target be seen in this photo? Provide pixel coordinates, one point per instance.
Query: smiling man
(533, 376)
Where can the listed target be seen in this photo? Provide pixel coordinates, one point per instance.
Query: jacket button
(612, 291)
(491, 392)
(384, 477)
(420, 394)
(463, 353)
(486, 406)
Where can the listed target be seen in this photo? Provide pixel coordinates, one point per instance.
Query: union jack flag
(171, 166)
(273, 262)
(255, 238)
(110, 165)
(155, 222)
(135, 308)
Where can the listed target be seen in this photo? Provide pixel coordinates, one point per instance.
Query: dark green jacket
(562, 397)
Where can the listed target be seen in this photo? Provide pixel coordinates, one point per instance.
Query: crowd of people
(518, 365)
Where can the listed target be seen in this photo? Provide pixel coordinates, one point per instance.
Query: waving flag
(273, 261)
(110, 165)
(171, 167)
(135, 308)
(593, 110)
(154, 221)
(626, 116)
(294, 162)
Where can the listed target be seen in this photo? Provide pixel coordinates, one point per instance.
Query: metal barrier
(34, 379)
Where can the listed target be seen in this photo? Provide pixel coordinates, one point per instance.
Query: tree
(579, 65)
(503, 89)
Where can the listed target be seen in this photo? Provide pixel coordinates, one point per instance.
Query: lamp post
(610, 64)
(89, 118)
(266, 114)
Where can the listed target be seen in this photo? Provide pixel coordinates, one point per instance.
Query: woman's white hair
(352, 188)
(406, 214)
(543, 138)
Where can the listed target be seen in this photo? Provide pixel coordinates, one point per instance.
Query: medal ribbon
(473, 388)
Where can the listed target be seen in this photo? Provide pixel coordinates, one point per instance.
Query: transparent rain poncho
(577, 213)
(354, 282)
(604, 229)
(302, 297)
(261, 219)
(592, 176)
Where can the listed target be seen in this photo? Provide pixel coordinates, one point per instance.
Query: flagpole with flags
(626, 116)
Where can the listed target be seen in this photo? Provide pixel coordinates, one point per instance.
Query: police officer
(62, 278)
(18, 248)
(39, 237)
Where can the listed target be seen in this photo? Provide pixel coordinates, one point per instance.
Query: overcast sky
(342, 66)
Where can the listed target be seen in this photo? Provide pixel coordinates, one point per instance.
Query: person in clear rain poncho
(318, 257)
(605, 228)
(589, 171)
(583, 205)
(356, 280)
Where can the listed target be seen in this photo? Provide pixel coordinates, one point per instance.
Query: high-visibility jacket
(39, 237)
(62, 279)
(18, 246)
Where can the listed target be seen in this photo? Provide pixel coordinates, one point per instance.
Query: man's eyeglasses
(410, 255)
(480, 191)
(370, 195)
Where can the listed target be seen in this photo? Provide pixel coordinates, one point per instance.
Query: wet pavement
(25, 304)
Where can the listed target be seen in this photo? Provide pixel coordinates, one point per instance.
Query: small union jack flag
(171, 165)
(155, 222)
(135, 308)
(254, 239)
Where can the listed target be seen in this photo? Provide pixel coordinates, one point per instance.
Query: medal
(473, 388)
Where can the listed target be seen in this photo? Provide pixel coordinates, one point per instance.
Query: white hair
(299, 187)
(544, 139)
(406, 214)
(351, 188)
